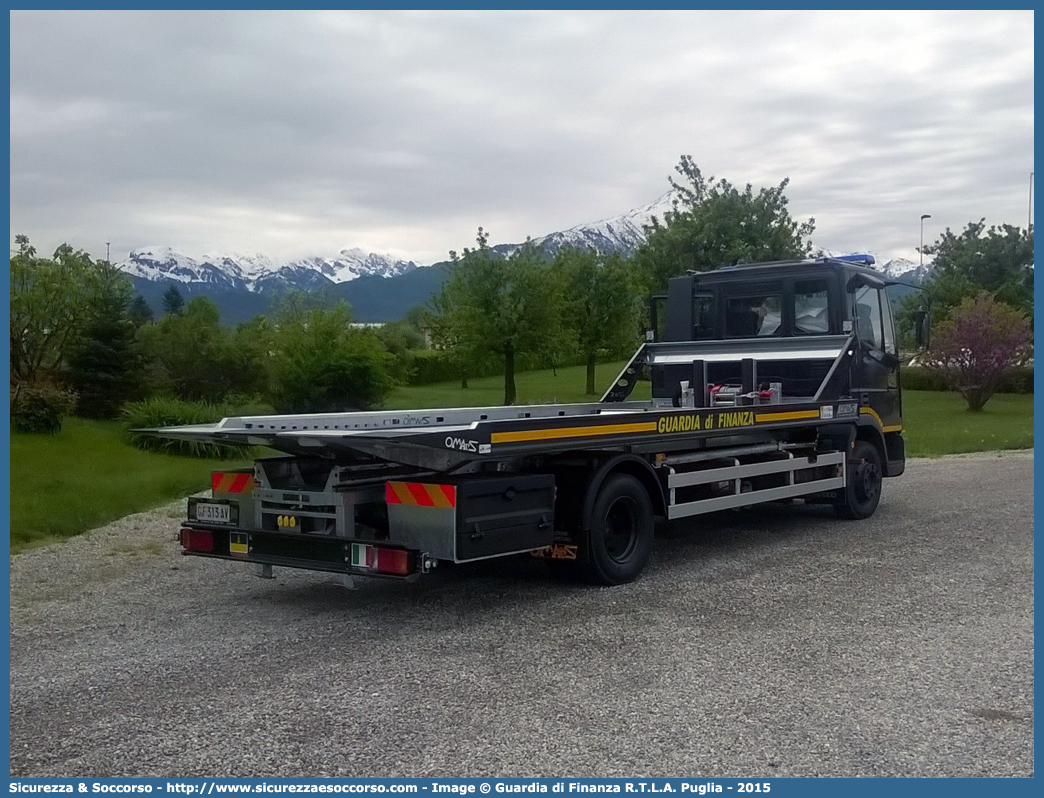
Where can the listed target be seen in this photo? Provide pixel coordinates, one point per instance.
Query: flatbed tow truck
(769, 383)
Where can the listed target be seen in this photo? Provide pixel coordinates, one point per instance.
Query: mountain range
(378, 287)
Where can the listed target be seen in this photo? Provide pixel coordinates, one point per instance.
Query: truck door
(877, 370)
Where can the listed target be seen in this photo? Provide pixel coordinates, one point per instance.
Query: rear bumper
(299, 550)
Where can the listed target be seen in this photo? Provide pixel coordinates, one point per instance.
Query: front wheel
(862, 491)
(621, 531)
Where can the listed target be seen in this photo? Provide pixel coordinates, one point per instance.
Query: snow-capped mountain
(905, 270)
(620, 234)
(219, 271)
(894, 269)
(258, 272)
(244, 285)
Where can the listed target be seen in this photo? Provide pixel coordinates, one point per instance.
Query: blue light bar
(863, 258)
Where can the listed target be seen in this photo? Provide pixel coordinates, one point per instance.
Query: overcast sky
(289, 133)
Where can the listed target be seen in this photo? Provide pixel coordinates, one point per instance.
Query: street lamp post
(921, 250)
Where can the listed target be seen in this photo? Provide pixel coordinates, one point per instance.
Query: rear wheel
(862, 491)
(621, 531)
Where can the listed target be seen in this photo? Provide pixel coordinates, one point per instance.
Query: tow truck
(765, 383)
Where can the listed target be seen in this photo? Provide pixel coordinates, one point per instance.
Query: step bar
(737, 472)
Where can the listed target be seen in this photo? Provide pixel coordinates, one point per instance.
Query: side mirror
(858, 280)
(922, 328)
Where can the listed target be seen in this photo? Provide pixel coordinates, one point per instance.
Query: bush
(981, 344)
(40, 408)
(241, 404)
(918, 378)
(1019, 381)
(167, 412)
(320, 364)
(429, 366)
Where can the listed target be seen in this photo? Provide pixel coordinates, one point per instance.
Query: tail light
(201, 540)
(382, 560)
(392, 561)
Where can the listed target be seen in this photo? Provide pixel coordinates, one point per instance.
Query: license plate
(214, 513)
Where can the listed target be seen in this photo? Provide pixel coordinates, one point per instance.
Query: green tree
(52, 301)
(980, 343)
(252, 343)
(140, 312)
(603, 305)
(320, 364)
(714, 224)
(998, 260)
(403, 340)
(105, 367)
(496, 306)
(399, 337)
(448, 333)
(192, 356)
(173, 301)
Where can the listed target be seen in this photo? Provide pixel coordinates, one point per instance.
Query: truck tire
(862, 491)
(621, 532)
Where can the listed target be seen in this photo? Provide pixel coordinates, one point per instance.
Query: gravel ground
(785, 643)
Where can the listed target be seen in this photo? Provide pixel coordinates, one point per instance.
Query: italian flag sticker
(360, 555)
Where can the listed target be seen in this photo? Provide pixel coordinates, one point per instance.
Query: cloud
(402, 132)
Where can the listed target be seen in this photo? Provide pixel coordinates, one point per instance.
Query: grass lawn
(86, 476)
(937, 423)
(534, 388)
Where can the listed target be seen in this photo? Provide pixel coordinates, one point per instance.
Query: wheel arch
(871, 433)
(623, 464)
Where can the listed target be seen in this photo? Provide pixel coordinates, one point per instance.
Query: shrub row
(167, 412)
(427, 366)
(918, 378)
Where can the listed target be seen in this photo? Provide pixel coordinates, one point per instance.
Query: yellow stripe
(405, 497)
(437, 496)
(571, 432)
(793, 415)
(873, 414)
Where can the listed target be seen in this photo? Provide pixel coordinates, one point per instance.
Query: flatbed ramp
(443, 439)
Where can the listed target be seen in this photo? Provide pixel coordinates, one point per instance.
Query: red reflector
(201, 540)
(392, 561)
(231, 482)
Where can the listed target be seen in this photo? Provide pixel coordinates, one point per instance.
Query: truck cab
(791, 305)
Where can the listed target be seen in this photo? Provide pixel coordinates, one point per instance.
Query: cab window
(704, 327)
(889, 326)
(811, 307)
(869, 324)
(753, 315)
